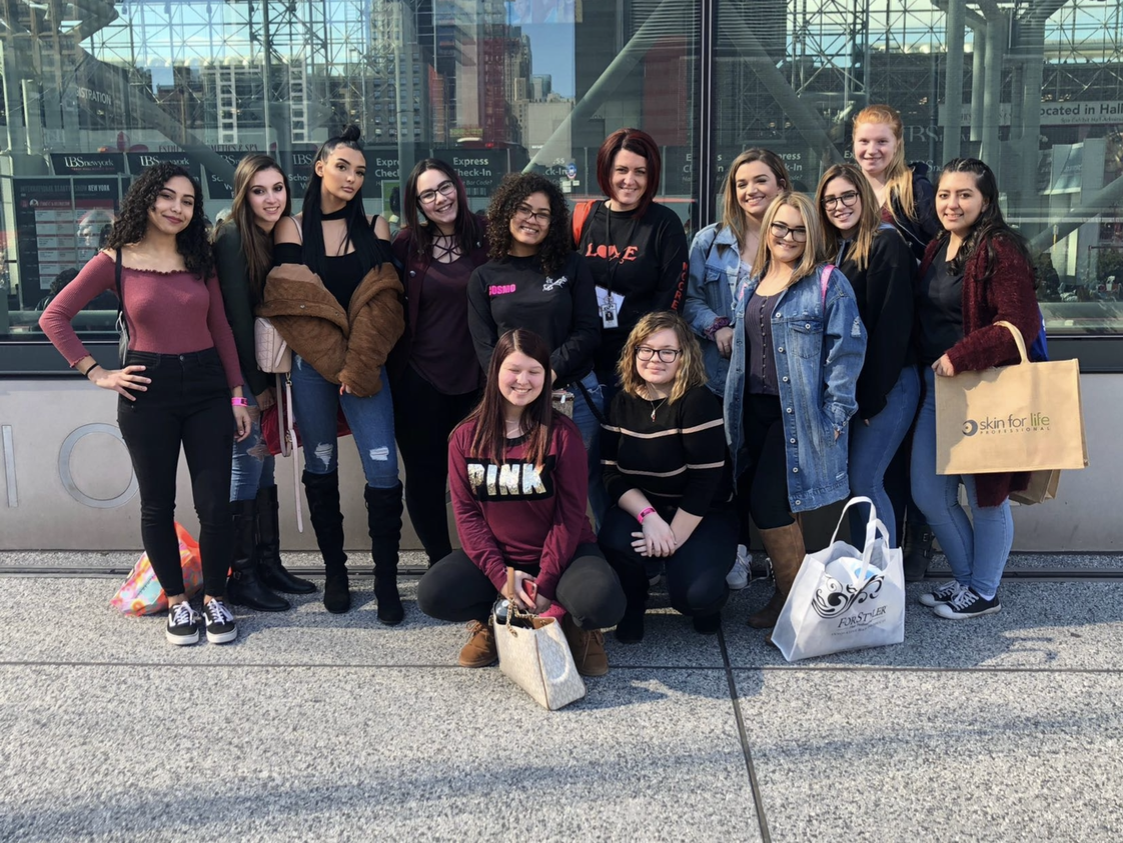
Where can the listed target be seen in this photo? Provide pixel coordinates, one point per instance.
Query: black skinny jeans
(423, 420)
(766, 479)
(188, 403)
(455, 589)
(695, 573)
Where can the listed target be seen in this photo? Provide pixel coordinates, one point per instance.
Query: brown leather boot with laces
(480, 650)
(587, 647)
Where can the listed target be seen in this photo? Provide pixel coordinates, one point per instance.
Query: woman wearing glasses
(791, 389)
(667, 473)
(880, 268)
(536, 281)
(434, 365)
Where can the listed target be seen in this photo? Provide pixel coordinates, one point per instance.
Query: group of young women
(544, 347)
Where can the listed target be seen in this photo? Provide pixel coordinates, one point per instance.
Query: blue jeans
(253, 464)
(316, 402)
(977, 552)
(872, 448)
(587, 423)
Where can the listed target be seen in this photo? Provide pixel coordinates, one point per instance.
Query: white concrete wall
(38, 512)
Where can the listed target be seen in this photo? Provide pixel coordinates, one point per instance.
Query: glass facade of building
(95, 90)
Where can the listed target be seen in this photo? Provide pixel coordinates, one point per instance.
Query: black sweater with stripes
(680, 459)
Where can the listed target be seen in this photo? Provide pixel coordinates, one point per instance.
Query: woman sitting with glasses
(536, 281)
(668, 476)
(791, 390)
(434, 364)
(879, 265)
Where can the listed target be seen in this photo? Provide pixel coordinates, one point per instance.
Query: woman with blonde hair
(667, 473)
(792, 384)
(880, 268)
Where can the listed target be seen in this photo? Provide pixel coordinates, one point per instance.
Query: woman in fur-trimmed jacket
(336, 298)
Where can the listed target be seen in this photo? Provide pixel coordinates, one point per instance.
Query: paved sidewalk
(322, 727)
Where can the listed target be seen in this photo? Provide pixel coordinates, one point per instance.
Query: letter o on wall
(68, 480)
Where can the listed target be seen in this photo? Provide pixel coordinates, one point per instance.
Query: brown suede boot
(587, 647)
(480, 651)
(785, 548)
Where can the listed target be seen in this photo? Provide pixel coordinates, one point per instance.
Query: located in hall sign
(1092, 113)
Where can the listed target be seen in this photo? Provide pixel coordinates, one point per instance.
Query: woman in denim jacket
(792, 385)
(721, 253)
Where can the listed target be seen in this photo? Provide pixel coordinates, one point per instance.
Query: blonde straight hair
(814, 250)
(899, 176)
(869, 221)
(691, 370)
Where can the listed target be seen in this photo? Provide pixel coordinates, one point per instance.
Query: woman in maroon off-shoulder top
(180, 383)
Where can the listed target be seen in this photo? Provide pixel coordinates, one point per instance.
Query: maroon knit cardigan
(1007, 295)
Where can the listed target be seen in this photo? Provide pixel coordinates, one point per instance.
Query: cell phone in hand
(531, 589)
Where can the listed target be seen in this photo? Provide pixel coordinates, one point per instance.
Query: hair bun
(351, 134)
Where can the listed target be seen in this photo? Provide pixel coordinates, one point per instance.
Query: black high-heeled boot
(322, 491)
(384, 522)
(273, 572)
(245, 588)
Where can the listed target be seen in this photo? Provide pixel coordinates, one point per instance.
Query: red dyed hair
(638, 143)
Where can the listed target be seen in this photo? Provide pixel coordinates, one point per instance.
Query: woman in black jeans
(179, 385)
(434, 365)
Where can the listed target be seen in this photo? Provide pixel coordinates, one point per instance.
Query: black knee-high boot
(273, 572)
(322, 491)
(384, 521)
(245, 587)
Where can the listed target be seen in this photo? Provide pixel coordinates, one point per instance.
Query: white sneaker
(740, 575)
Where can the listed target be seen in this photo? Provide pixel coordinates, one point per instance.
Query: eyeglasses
(428, 197)
(847, 199)
(525, 212)
(666, 355)
(781, 231)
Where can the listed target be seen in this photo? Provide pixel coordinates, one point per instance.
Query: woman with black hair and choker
(178, 386)
(440, 246)
(335, 297)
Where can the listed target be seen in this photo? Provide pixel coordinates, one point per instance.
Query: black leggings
(187, 403)
(455, 589)
(423, 420)
(695, 572)
(766, 478)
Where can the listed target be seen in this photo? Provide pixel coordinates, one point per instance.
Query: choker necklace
(335, 215)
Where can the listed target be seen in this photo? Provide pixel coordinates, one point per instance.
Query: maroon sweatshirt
(167, 313)
(513, 513)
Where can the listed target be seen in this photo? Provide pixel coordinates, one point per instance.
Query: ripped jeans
(253, 465)
(316, 403)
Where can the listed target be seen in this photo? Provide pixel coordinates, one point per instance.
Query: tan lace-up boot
(480, 650)
(587, 647)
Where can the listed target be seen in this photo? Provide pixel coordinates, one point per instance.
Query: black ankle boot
(269, 565)
(917, 551)
(244, 587)
(322, 491)
(384, 522)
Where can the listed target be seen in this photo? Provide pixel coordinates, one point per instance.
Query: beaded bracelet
(240, 402)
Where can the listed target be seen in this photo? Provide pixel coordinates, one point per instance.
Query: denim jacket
(715, 259)
(819, 350)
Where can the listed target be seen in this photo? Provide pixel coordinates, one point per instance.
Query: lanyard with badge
(608, 302)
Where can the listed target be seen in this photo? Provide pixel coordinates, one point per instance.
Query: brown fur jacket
(345, 346)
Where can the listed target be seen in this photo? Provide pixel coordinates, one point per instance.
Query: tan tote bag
(534, 654)
(1025, 417)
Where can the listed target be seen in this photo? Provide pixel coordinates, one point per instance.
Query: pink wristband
(644, 513)
(239, 402)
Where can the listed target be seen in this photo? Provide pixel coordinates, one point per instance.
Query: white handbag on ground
(534, 654)
(845, 599)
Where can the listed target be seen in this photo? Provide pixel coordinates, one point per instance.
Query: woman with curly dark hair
(536, 281)
(439, 247)
(335, 297)
(176, 384)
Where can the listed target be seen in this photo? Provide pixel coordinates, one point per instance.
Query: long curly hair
(512, 192)
(132, 223)
(691, 370)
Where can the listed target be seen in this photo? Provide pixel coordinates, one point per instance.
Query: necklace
(654, 406)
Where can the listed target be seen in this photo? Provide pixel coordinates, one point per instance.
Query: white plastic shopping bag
(845, 599)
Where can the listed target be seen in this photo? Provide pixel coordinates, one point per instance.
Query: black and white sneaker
(221, 628)
(183, 625)
(941, 594)
(967, 604)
